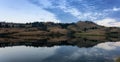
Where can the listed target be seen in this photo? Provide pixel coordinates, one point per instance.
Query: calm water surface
(102, 52)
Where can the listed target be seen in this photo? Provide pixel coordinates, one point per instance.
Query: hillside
(81, 28)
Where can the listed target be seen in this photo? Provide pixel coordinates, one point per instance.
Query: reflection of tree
(52, 41)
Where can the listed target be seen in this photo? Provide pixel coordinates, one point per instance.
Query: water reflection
(61, 53)
(62, 49)
(56, 41)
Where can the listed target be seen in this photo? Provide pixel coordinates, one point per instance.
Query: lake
(34, 51)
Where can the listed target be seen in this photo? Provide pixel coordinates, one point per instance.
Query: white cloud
(89, 15)
(109, 22)
(65, 6)
(29, 16)
(25, 13)
(112, 10)
(116, 9)
(42, 3)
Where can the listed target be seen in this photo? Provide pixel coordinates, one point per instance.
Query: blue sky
(103, 12)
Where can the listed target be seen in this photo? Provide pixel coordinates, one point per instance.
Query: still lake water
(102, 52)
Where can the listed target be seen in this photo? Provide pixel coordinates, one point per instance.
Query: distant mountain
(81, 28)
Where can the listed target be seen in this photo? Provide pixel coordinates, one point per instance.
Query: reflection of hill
(49, 41)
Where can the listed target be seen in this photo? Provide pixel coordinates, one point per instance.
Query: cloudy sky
(103, 12)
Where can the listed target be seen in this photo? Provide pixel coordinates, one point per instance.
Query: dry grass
(32, 33)
(10, 30)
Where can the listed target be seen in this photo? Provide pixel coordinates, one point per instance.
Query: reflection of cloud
(108, 45)
(22, 53)
(101, 50)
(86, 52)
(108, 22)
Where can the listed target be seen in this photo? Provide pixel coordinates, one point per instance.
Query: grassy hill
(78, 29)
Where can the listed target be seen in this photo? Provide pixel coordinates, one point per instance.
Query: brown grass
(33, 33)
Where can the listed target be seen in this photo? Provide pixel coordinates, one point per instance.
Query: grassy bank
(87, 34)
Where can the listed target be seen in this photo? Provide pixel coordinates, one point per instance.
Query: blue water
(102, 52)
